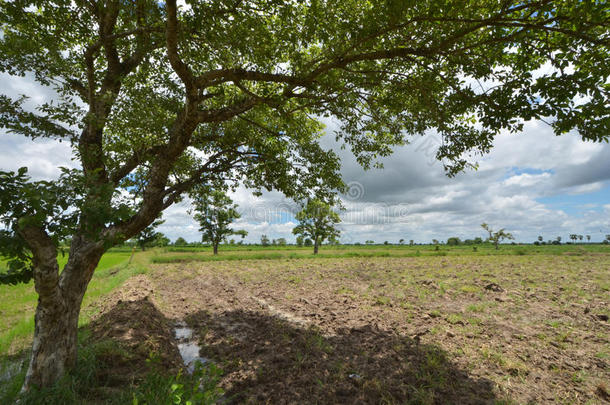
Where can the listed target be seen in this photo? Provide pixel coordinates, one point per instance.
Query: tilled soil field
(442, 330)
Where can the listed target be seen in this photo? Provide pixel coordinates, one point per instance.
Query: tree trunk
(315, 246)
(54, 349)
(215, 248)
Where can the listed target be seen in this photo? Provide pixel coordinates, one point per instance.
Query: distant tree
(308, 242)
(588, 238)
(161, 240)
(281, 242)
(317, 221)
(215, 211)
(573, 236)
(402, 241)
(435, 241)
(273, 242)
(264, 240)
(496, 237)
(385, 242)
(411, 242)
(454, 241)
(540, 238)
(149, 237)
(608, 238)
(580, 237)
(478, 240)
(369, 242)
(299, 241)
(180, 241)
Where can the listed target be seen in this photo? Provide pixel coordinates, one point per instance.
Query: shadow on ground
(270, 360)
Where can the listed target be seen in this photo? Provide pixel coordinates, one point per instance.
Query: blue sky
(578, 204)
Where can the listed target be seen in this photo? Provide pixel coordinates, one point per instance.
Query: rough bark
(315, 246)
(216, 248)
(54, 348)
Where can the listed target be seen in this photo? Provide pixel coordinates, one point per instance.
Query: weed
(470, 289)
(454, 319)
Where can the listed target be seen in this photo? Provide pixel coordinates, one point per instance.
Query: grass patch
(262, 256)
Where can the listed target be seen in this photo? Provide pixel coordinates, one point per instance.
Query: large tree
(156, 99)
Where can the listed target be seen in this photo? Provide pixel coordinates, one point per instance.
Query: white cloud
(411, 198)
(526, 180)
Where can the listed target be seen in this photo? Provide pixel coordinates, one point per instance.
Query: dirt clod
(494, 287)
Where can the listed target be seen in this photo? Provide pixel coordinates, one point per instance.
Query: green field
(237, 252)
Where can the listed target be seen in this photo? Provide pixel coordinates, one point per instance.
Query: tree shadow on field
(270, 360)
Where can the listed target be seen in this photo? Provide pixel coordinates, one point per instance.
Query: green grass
(185, 254)
(18, 302)
(202, 257)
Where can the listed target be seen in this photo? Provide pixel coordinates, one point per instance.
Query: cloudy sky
(532, 183)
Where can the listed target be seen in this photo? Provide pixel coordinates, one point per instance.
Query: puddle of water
(188, 347)
(183, 332)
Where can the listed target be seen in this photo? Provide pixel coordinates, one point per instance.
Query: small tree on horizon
(265, 241)
(215, 212)
(588, 238)
(317, 221)
(180, 241)
(496, 237)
